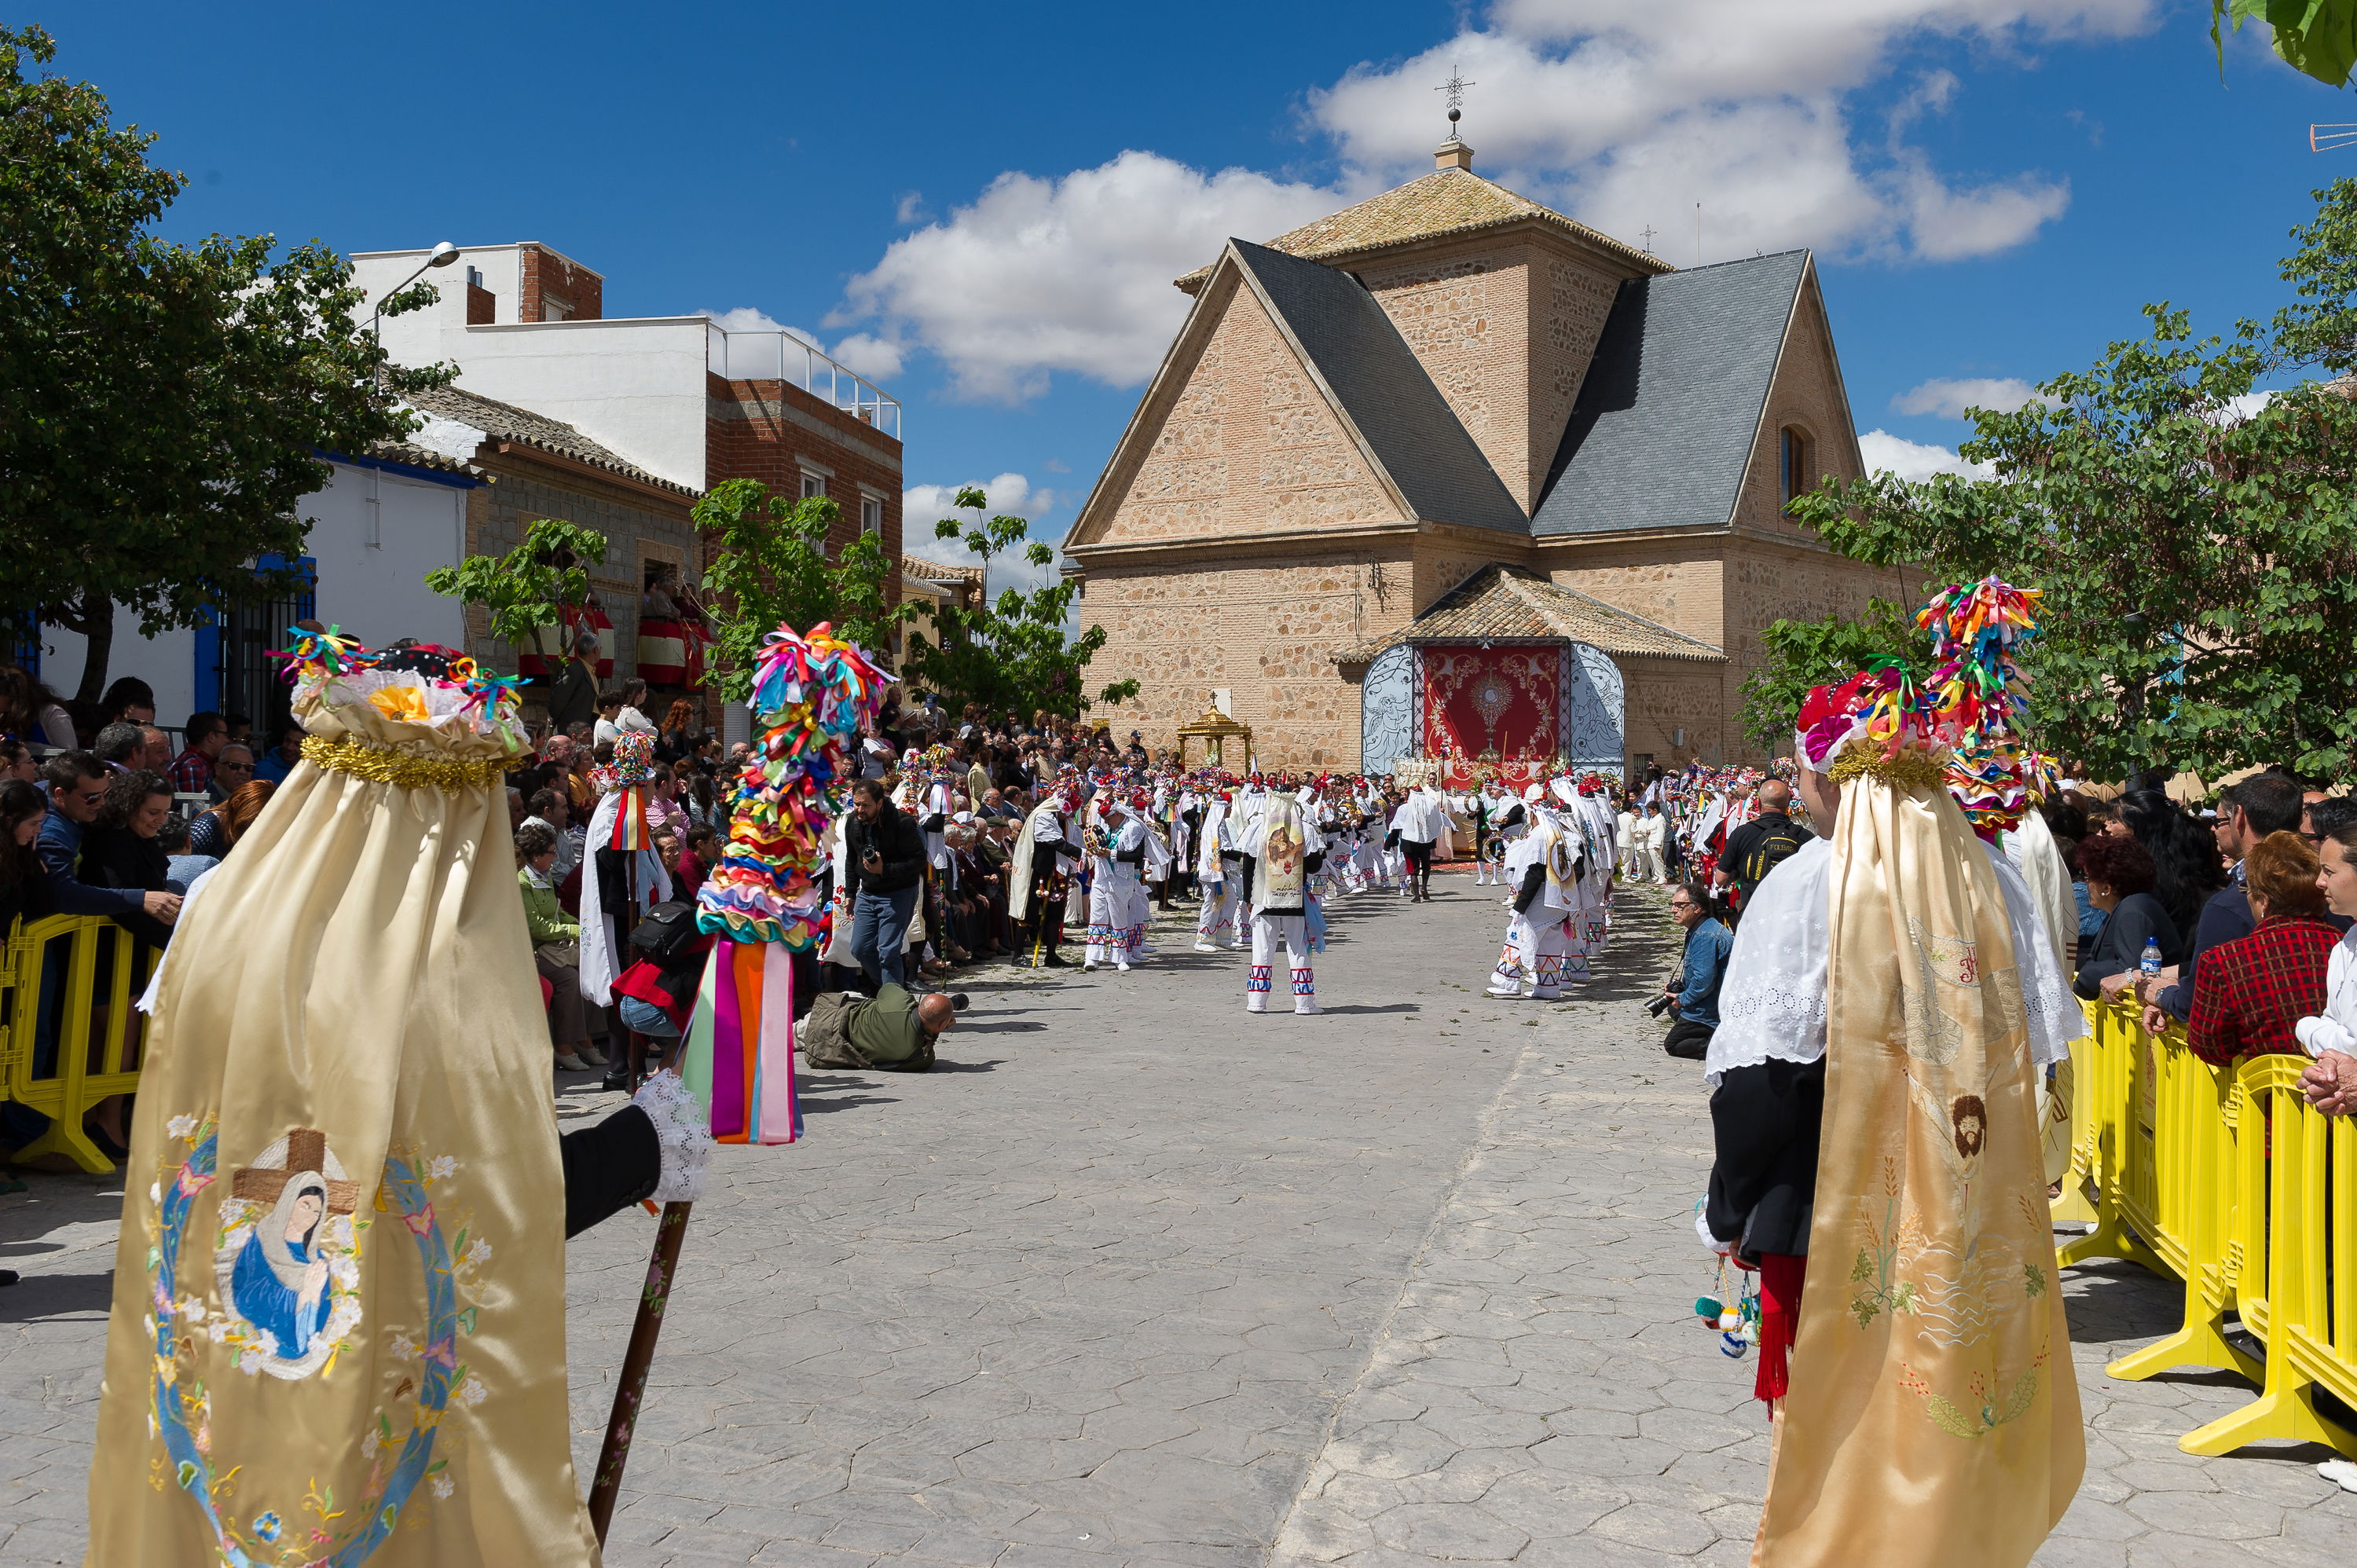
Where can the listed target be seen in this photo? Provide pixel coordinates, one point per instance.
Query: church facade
(1451, 475)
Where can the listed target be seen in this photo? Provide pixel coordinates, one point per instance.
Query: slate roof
(1509, 602)
(1350, 343)
(1664, 425)
(522, 427)
(1446, 201)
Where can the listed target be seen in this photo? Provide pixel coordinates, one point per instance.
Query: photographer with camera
(1693, 989)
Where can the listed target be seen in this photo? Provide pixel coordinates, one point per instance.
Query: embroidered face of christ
(1970, 1119)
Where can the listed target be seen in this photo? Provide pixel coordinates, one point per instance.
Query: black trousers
(1688, 1039)
(1419, 865)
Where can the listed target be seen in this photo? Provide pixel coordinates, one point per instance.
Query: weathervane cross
(1454, 87)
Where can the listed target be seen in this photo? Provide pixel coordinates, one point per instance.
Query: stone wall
(1465, 312)
(1505, 326)
(1676, 582)
(1247, 445)
(1263, 628)
(1665, 696)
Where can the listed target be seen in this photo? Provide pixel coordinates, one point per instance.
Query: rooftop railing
(766, 355)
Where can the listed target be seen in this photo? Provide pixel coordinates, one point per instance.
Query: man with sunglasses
(232, 770)
(1702, 965)
(76, 781)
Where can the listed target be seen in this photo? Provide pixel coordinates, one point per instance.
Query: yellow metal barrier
(73, 1035)
(2105, 1080)
(2296, 1170)
(2230, 1181)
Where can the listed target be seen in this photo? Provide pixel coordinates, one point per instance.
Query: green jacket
(543, 914)
(886, 1030)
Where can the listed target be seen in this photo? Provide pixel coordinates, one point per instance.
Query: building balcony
(763, 355)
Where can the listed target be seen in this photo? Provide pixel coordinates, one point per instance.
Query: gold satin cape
(1933, 1416)
(338, 1335)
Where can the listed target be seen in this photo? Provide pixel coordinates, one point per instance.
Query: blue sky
(982, 206)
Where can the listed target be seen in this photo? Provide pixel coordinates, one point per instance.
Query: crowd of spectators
(2244, 909)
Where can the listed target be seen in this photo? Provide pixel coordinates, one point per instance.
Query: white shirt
(1772, 999)
(2336, 1030)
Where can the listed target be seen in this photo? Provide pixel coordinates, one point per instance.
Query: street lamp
(442, 255)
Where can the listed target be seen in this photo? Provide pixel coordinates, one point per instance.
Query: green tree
(161, 408)
(772, 568)
(532, 585)
(2315, 38)
(1012, 652)
(2197, 547)
(1802, 654)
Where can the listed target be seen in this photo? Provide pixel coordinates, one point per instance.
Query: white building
(377, 528)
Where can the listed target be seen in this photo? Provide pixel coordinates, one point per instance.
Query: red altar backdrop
(1499, 700)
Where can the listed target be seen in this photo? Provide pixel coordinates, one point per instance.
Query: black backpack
(1772, 848)
(665, 931)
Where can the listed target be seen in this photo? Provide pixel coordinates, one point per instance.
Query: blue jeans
(646, 1018)
(879, 924)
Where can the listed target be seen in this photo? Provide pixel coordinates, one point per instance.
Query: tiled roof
(1353, 346)
(1664, 426)
(938, 572)
(1501, 601)
(418, 457)
(522, 427)
(1446, 201)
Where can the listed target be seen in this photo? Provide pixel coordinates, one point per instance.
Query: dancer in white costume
(1116, 842)
(1545, 866)
(1286, 851)
(1218, 867)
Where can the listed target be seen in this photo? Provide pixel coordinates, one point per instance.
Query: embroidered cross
(306, 1150)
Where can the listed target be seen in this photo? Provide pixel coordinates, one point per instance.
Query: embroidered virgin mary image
(288, 1258)
(280, 1281)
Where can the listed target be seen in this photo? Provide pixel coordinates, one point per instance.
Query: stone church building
(1451, 475)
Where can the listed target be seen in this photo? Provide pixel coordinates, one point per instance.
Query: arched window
(1797, 479)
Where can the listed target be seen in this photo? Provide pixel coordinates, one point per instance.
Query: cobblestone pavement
(1133, 1278)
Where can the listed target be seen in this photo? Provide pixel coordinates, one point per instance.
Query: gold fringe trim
(381, 765)
(1909, 767)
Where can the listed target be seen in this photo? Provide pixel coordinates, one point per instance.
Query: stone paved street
(1133, 1278)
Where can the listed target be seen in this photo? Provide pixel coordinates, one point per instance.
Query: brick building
(679, 402)
(539, 468)
(1449, 473)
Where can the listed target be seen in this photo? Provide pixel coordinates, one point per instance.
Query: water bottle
(2150, 963)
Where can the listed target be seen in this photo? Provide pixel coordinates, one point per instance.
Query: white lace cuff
(682, 1128)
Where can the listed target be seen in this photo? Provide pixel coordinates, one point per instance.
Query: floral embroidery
(179, 1415)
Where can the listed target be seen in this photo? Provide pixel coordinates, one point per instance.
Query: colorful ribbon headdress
(1977, 698)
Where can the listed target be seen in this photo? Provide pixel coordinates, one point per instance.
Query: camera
(1659, 1005)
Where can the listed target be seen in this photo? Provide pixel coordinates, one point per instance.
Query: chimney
(1453, 154)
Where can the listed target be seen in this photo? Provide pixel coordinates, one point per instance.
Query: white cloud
(1039, 276)
(746, 318)
(1010, 495)
(1631, 115)
(1949, 398)
(1774, 117)
(877, 359)
(1886, 453)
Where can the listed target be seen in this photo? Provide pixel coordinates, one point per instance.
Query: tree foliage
(161, 408)
(1012, 652)
(532, 585)
(2197, 545)
(2315, 38)
(772, 568)
(1802, 654)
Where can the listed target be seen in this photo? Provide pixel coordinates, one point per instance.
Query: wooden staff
(607, 1479)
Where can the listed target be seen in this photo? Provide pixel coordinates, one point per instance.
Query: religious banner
(1500, 706)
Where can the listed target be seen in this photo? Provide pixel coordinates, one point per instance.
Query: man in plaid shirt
(2247, 993)
(192, 774)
